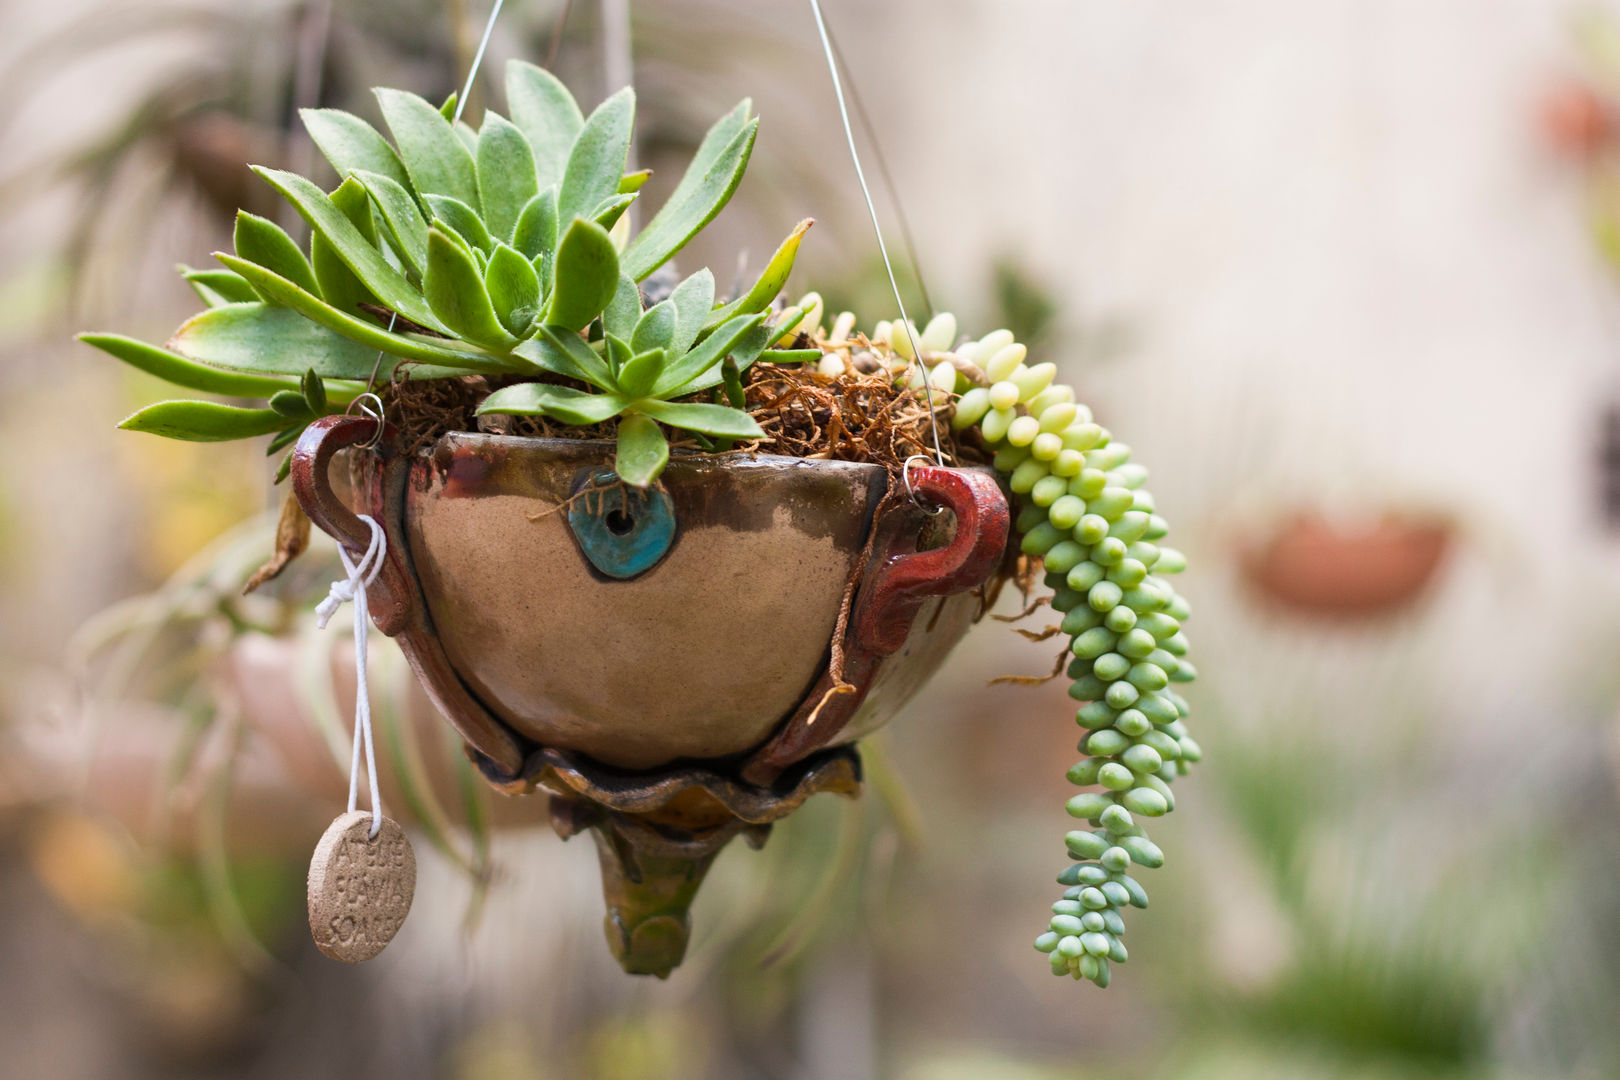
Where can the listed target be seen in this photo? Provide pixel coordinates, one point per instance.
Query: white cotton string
(352, 589)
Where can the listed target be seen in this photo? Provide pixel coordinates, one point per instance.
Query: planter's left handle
(389, 595)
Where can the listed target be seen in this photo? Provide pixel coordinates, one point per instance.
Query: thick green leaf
(218, 287)
(203, 421)
(514, 289)
(703, 192)
(173, 368)
(339, 286)
(770, 282)
(539, 399)
(608, 212)
(643, 451)
(351, 144)
(565, 354)
(438, 162)
(638, 374)
(506, 176)
(719, 420)
(707, 355)
(596, 163)
(314, 391)
(585, 276)
(751, 346)
(291, 404)
(617, 352)
(469, 138)
(445, 355)
(362, 257)
(545, 110)
(447, 107)
(260, 240)
(455, 288)
(624, 310)
(655, 329)
(693, 299)
(462, 219)
(536, 231)
(631, 182)
(401, 217)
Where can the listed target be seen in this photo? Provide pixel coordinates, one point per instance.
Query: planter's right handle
(389, 595)
(893, 595)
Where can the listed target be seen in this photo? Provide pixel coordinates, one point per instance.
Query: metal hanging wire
(915, 361)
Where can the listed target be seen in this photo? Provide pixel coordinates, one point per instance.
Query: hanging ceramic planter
(664, 555)
(582, 635)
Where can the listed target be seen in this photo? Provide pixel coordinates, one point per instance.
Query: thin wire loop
(905, 477)
(871, 208)
(370, 405)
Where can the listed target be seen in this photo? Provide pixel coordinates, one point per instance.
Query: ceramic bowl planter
(655, 660)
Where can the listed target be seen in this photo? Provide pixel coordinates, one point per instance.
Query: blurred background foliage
(1331, 268)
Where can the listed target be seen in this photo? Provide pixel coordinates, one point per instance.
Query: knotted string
(352, 589)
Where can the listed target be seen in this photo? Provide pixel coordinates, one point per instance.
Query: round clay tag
(360, 889)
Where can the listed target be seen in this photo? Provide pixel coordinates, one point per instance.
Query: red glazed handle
(311, 461)
(898, 588)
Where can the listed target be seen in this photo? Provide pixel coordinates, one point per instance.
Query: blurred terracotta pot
(1316, 567)
(661, 661)
(1575, 120)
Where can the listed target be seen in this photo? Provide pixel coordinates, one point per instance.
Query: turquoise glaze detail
(622, 531)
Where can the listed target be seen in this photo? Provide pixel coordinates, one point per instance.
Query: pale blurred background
(1340, 270)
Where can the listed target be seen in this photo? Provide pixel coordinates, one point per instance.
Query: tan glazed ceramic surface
(699, 657)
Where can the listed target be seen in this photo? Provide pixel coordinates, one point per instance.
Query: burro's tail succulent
(1083, 511)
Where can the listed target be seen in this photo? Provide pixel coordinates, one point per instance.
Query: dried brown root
(1034, 680)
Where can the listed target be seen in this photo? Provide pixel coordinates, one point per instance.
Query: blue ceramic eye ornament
(622, 531)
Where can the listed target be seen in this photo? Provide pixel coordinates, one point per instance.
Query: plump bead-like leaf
(514, 290)
(566, 404)
(351, 144)
(770, 282)
(260, 240)
(704, 190)
(545, 110)
(585, 277)
(439, 355)
(596, 163)
(173, 368)
(203, 421)
(455, 288)
(363, 258)
(643, 450)
(506, 176)
(438, 162)
(718, 420)
(462, 219)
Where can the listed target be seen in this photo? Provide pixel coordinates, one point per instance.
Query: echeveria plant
(503, 252)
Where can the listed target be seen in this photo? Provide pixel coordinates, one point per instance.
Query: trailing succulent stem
(503, 252)
(1082, 509)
